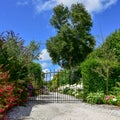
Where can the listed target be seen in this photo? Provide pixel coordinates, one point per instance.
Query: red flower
(1, 91)
(2, 110)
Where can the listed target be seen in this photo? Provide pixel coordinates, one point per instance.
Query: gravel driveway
(64, 111)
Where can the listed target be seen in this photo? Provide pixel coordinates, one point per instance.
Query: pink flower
(107, 97)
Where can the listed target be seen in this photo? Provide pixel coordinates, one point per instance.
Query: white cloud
(48, 5)
(46, 70)
(23, 3)
(44, 55)
(91, 5)
(45, 65)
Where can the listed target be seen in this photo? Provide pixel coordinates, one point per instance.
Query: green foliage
(101, 69)
(15, 56)
(73, 41)
(92, 82)
(12, 52)
(95, 98)
(64, 77)
(116, 89)
(93, 75)
(21, 91)
(113, 42)
(67, 90)
(59, 79)
(118, 100)
(35, 74)
(60, 16)
(80, 95)
(16, 59)
(33, 49)
(75, 75)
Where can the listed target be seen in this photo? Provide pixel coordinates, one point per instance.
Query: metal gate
(56, 87)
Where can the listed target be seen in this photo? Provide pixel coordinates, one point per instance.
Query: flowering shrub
(10, 93)
(112, 99)
(74, 89)
(7, 98)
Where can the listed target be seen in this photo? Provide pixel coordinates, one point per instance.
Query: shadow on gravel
(21, 112)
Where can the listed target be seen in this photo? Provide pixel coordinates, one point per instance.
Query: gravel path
(64, 111)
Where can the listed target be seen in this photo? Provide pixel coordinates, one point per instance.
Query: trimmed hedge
(91, 80)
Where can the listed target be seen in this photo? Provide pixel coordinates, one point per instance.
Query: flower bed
(112, 99)
(92, 98)
(100, 98)
(74, 90)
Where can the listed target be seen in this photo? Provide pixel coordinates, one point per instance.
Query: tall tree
(73, 41)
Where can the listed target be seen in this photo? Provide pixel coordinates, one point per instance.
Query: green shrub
(118, 100)
(101, 70)
(66, 90)
(92, 82)
(95, 98)
(80, 95)
(116, 89)
(70, 92)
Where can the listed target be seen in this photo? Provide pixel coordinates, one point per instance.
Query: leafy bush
(116, 89)
(80, 94)
(92, 82)
(18, 58)
(95, 98)
(118, 100)
(101, 70)
(10, 93)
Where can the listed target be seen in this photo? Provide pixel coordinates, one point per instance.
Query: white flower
(114, 99)
(67, 85)
(79, 86)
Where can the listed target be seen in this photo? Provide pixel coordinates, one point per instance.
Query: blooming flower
(114, 99)
(107, 97)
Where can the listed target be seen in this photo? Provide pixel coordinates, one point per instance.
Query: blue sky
(30, 18)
